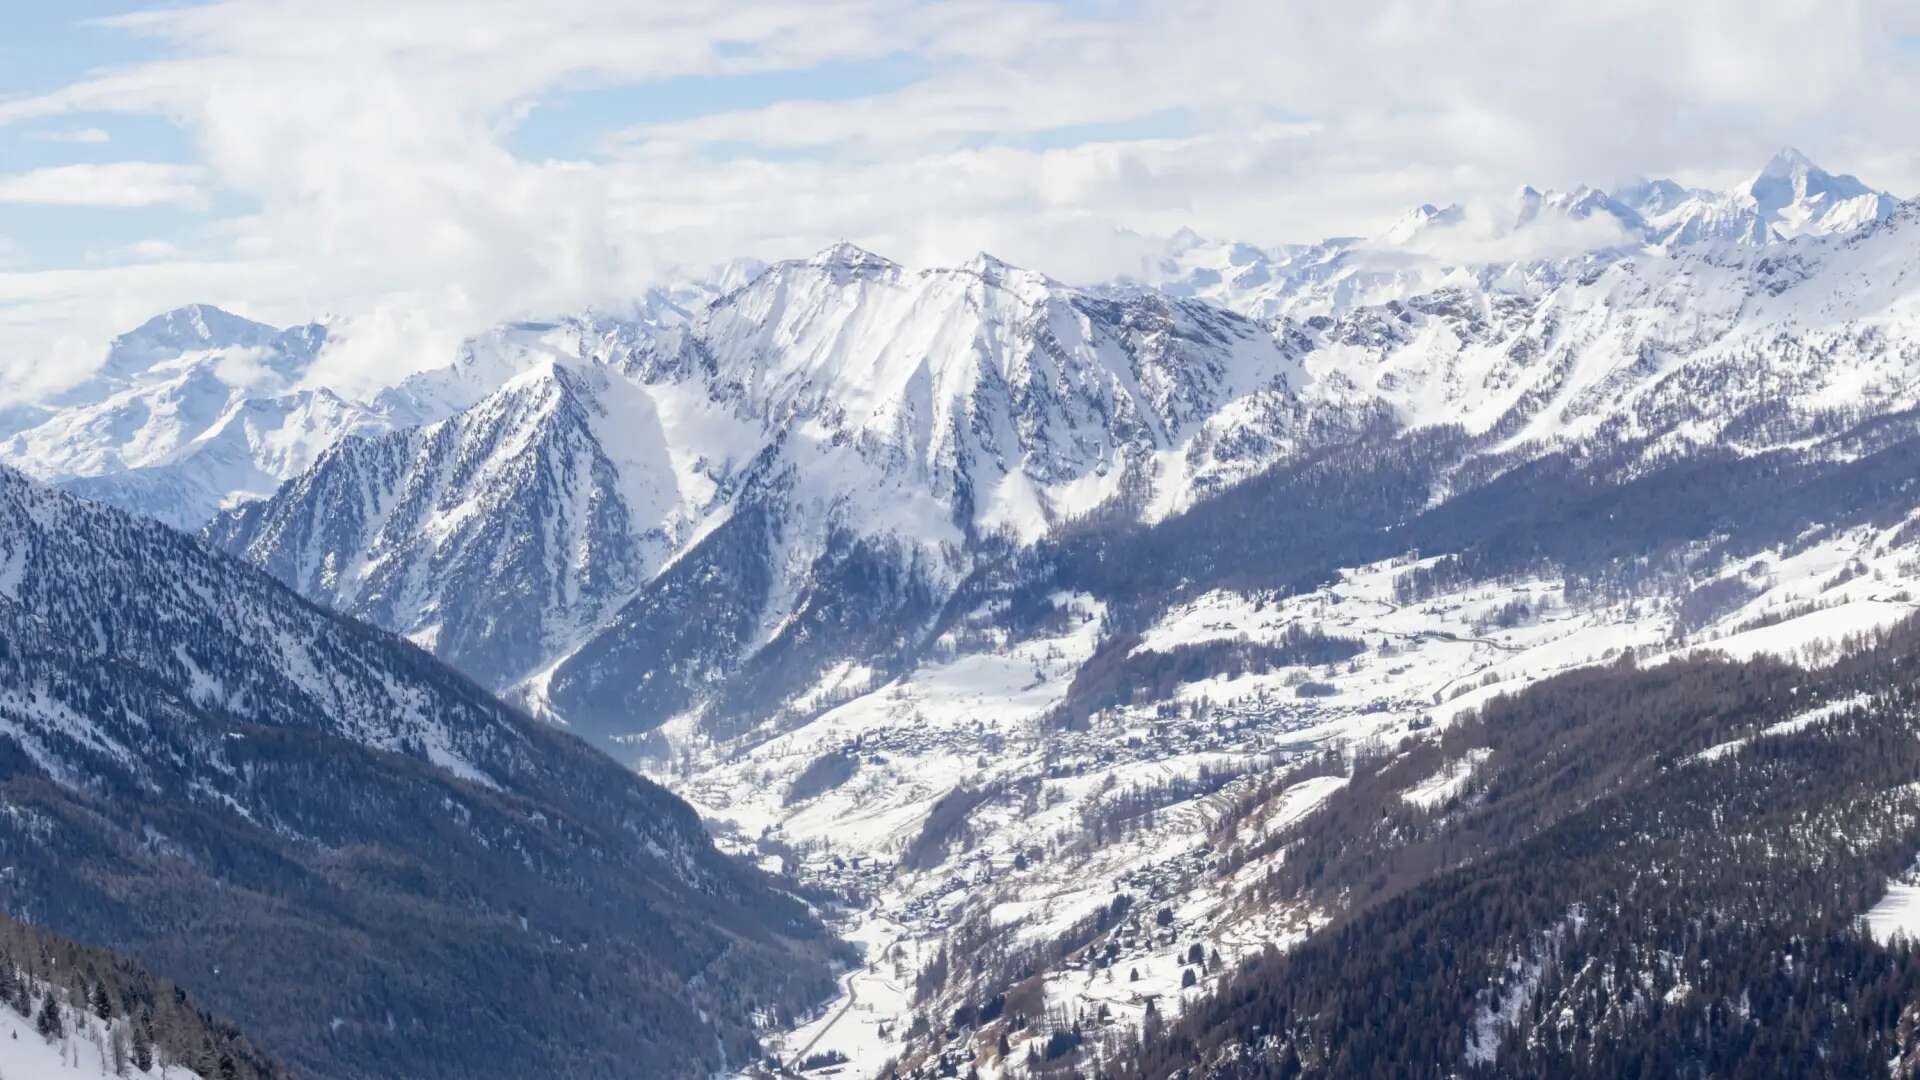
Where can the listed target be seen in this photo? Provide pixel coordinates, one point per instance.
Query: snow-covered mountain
(198, 410)
(72, 1011)
(835, 407)
(1790, 196)
(1040, 620)
(1540, 239)
(1694, 347)
(322, 831)
(840, 442)
(1795, 197)
(194, 410)
(490, 359)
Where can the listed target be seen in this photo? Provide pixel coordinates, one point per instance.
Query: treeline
(1616, 518)
(148, 1023)
(946, 821)
(1600, 902)
(1006, 984)
(1122, 673)
(241, 791)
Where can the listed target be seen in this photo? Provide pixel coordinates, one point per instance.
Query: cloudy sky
(424, 168)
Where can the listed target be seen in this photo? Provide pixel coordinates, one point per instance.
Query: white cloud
(89, 135)
(150, 251)
(119, 184)
(1486, 234)
(55, 323)
(368, 139)
(244, 367)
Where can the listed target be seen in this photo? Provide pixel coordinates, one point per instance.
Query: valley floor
(977, 841)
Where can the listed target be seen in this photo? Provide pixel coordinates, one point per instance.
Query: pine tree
(14, 992)
(143, 1043)
(50, 1024)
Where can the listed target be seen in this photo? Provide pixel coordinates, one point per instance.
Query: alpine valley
(1483, 648)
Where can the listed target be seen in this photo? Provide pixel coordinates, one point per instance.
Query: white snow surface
(192, 412)
(1897, 914)
(1448, 782)
(921, 409)
(1537, 240)
(83, 1051)
(953, 725)
(844, 395)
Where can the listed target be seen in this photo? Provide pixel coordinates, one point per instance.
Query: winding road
(853, 998)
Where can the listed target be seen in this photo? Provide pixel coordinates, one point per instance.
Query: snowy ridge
(194, 411)
(198, 410)
(204, 736)
(1538, 240)
(70, 552)
(226, 646)
(80, 1044)
(837, 550)
(841, 398)
(1683, 346)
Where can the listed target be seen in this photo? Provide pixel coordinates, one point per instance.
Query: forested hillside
(1651, 872)
(70, 1010)
(316, 827)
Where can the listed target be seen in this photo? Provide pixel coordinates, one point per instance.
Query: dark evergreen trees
(345, 845)
(49, 1023)
(1602, 901)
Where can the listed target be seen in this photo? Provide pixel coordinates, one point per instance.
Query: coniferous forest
(1605, 899)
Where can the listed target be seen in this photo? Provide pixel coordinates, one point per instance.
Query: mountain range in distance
(833, 665)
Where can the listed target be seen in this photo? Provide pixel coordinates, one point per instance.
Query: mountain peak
(1184, 239)
(1789, 162)
(1653, 196)
(1422, 217)
(1795, 196)
(988, 265)
(850, 256)
(207, 321)
(202, 324)
(184, 329)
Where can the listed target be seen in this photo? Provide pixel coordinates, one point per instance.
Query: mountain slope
(1661, 871)
(841, 412)
(355, 851)
(109, 1016)
(1722, 346)
(198, 410)
(1043, 766)
(194, 410)
(832, 408)
(1040, 768)
(983, 606)
(1539, 240)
